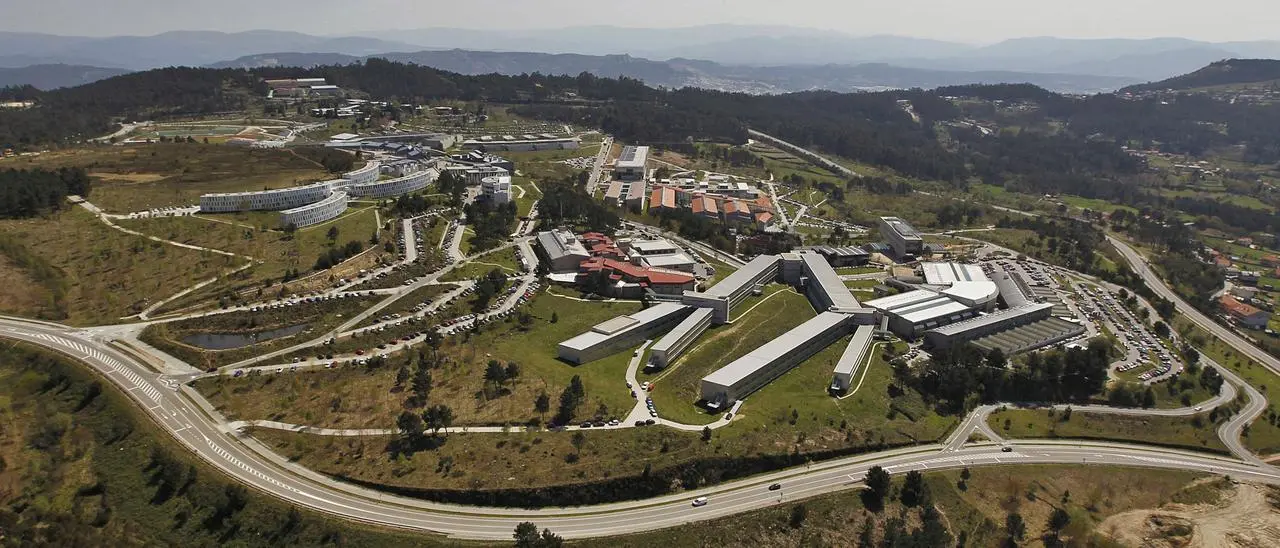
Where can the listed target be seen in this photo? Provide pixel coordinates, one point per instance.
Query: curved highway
(191, 421)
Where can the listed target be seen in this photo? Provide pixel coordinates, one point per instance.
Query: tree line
(27, 193)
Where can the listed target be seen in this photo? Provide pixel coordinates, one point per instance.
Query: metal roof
(614, 325)
(637, 320)
(828, 281)
(994, 317)
(775, 349)
(973, 292)
(903, 228)
(742, 276)
(633, 157)
(893, 302)
(949, 273)
(856, 350)
(698, 316)
(559, 243)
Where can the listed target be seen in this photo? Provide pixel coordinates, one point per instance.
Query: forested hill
(1221, 73)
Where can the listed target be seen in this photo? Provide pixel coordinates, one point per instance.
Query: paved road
(1139, 265)
(410, 242)
(192, 422)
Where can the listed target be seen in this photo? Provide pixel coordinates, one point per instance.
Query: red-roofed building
(662, 198)
(1271, 260)
(737, 211)
(630, 281)
(763, 219)
(705, 206)
(599, 245)
(1222, 261)
(1247, 315)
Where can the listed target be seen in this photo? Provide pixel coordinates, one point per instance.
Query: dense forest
(25, 193)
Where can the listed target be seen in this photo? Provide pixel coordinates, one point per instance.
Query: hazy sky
(963, 20)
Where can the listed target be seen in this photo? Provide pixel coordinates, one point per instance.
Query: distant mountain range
(1222, 73)
(55, 76)
(677, 73)
(746, 57)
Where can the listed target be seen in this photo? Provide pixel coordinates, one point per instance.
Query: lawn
(141, 177)
(414, 298)
(504, 260)
(1263, 435)
(107, 274)
(1197, 433)
(368, 398)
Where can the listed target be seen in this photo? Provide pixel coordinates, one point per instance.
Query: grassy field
(504, 260)
(140, 177)
(1197, 433)
(779, 310)
(414, 298)
(108, 274)
(368, 398)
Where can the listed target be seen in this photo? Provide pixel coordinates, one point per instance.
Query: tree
(542, 404)
(570, 399)
(798, 514)
(422, 384)
(554, 317)
(332, 234)
(438, 417)
(526, 536)
(373, 240)
(706, 433)
(513, 371)
(996, 359)
(1014, 525)
(495, 373)
(402, 376)
(913, 489)
(410, 425)
(289, 230)
(1058, 520)
(1149, 398)
(878, 482)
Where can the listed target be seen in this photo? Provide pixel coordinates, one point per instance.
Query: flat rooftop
(828, 281)
(903, 228)
(699, 315)
(633, 157)
(894, 302)
(856, 351)
(775, 349)
(740, 277)
(949, 273)
(973, 291)
(994, 317)
(615, 328)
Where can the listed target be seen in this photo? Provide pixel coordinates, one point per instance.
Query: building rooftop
(257, 192)
(559, 243)
(828, 281)
(633, 157)
(857, 349)
(894, 302)
(699, 315)
(335, 197)
(994, 317)
(667, 261)
(611, 328)
(903, 228)
(740, 277)
(654, 246)
(933, 310)
(978, 292)
(771, 351)
(949, 273)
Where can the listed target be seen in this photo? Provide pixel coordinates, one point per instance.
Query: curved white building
(318, 212)
(269, 200)
(392, 187)
(367, 174)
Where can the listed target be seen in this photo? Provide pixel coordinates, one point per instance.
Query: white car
(700, 501)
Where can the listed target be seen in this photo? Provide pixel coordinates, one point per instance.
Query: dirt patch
(1246, 517)
(126, 177)
(18, 292)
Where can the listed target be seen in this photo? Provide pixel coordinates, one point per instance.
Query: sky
(972, 21)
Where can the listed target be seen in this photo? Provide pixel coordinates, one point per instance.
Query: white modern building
(315, 213)
(622, 332)
(912, 313)
(412, 182)
(735, 287)
(950, 273)
(852, 359)
(631, 164)
(903, 238)
(673, 344)
(367, 174)
(561, 250)
(267, 200)
(496, 189)
(761, 366)
(657, 253)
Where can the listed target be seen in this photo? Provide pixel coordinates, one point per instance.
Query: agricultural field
(141, 177)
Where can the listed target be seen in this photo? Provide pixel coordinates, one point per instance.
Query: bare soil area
(1247, 516)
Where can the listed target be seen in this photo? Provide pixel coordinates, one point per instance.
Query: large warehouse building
(611, 336)
(912, 313)
(759, 367)
(903, 239)
(995, 323)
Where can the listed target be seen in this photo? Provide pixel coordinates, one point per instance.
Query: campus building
(1248, 315)
(999, 329)
(821, 284)
(496, 189)
(761, 366)
(673, 344)
(412, 182)
(852, 358)
(903, 239)
(318, 212)
(657, 253)
(561, 250)
(912, 313)
(735, 287)
(622, 332)
(631, 164)
(628, 281)
(267, 200)
(367, 174)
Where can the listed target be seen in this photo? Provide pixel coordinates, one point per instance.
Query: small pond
(228, 341)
